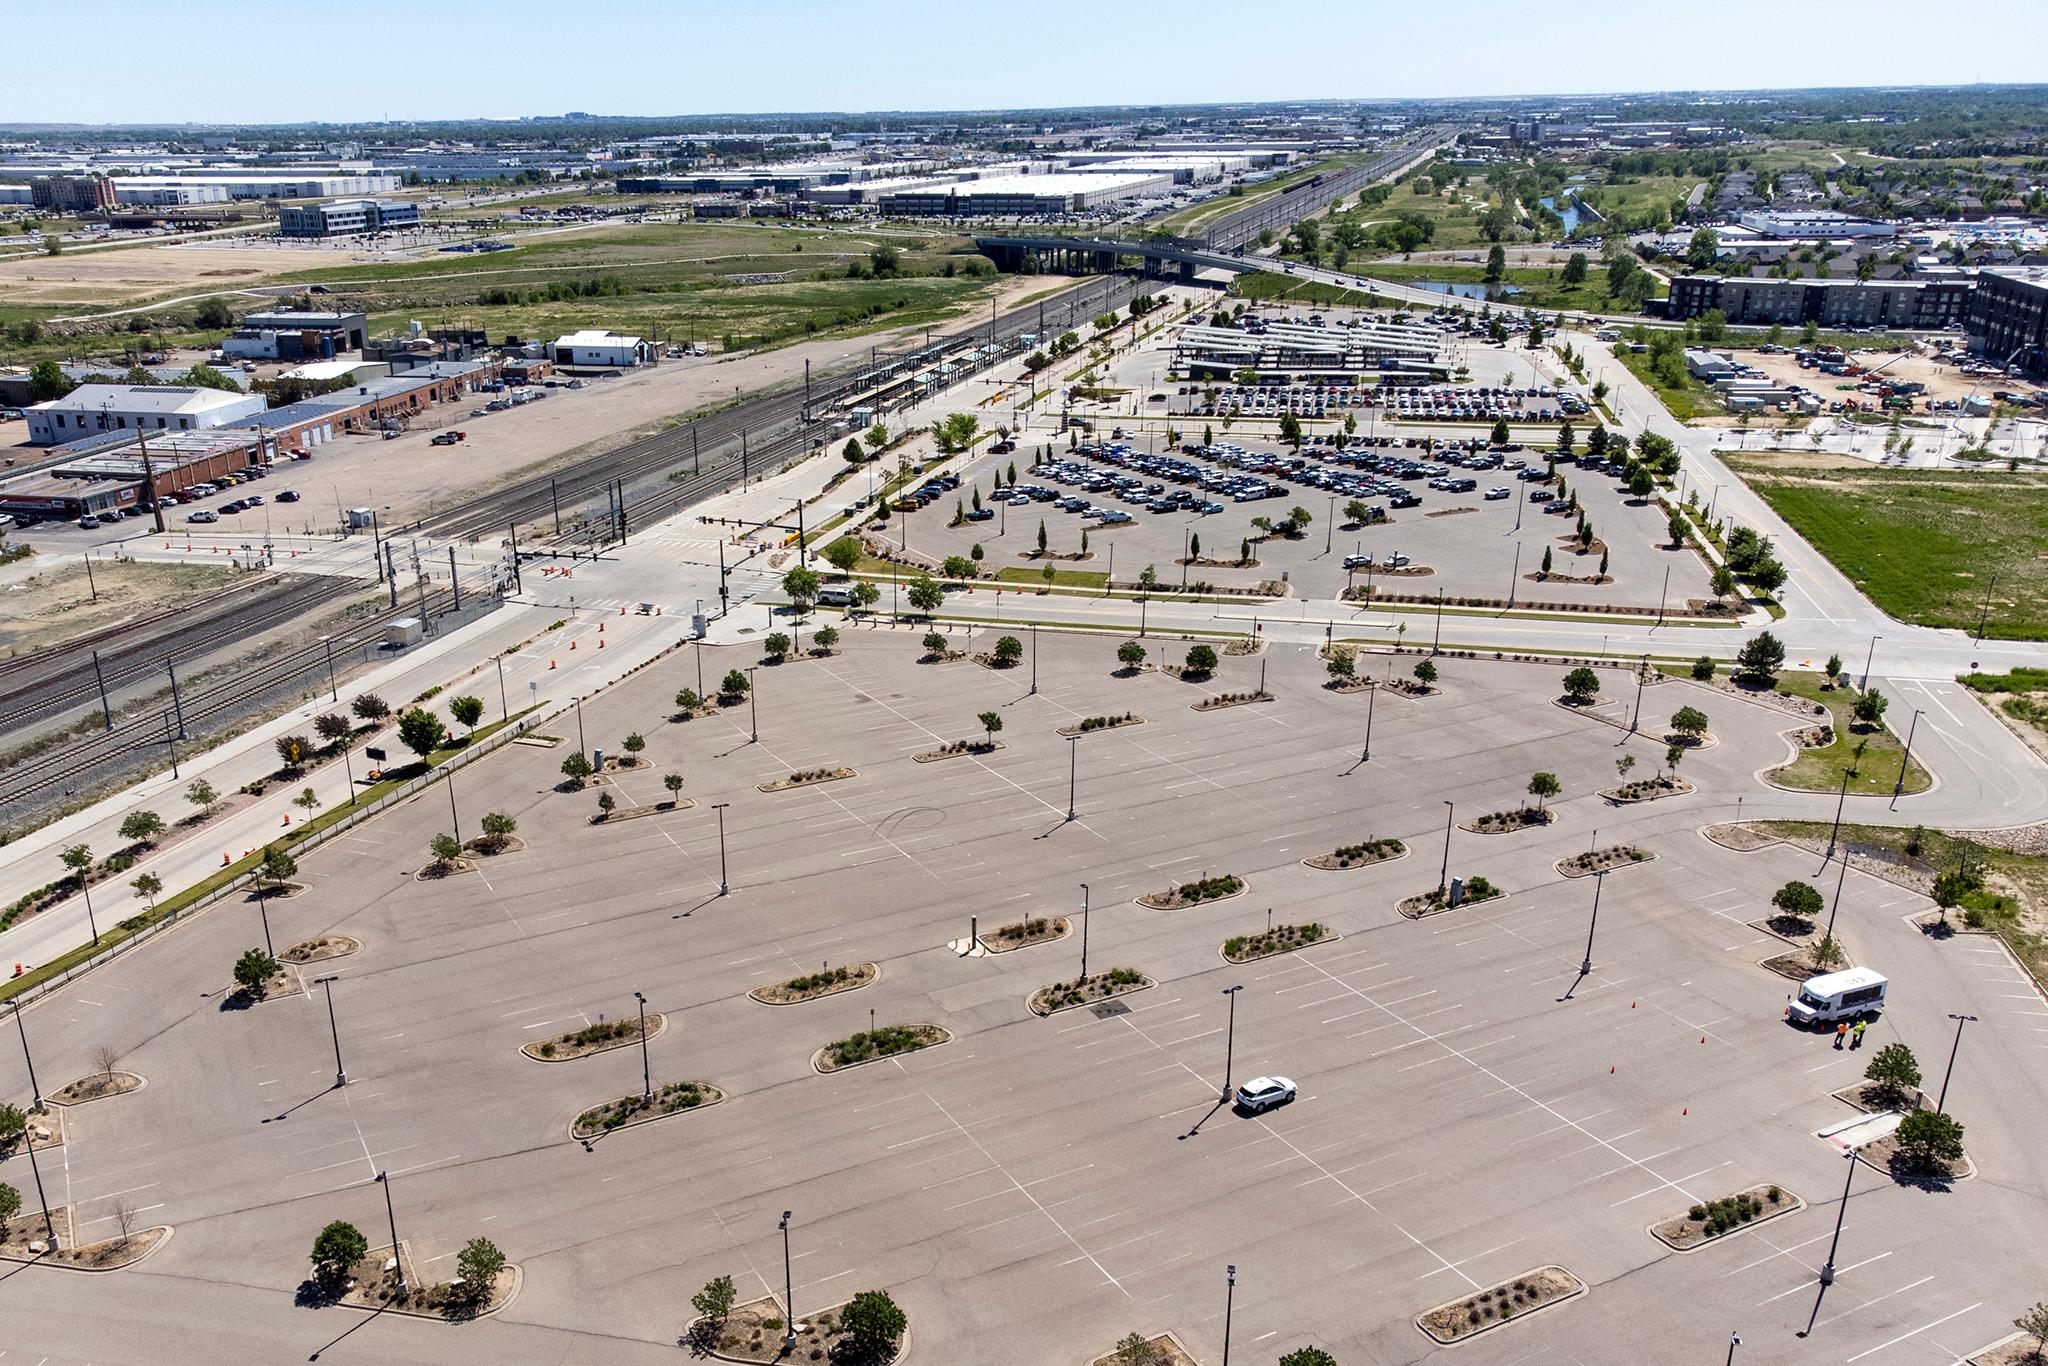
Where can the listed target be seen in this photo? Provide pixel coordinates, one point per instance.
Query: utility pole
(1586, 966)
(106, 710)
(1906, 759)
(1443, 878)
(646, 1068)
(1941, 1102)
(1827, 1271)
(384, 1180)
(1084, 940)
(340, 1072)
(177, 706)
(723, 885)
(1230, 1038)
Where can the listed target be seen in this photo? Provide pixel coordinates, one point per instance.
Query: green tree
(10, 1202)
(1496, 264)
(293, 751)
(147, 886)
(866, 595)
(1300, 517)
(1641, 482)
(801, 585)
(1008, 650)
(1798, 899)
(852, 452)
(1130, 654)
(1690, 722)
(843, 554)
(1869, 708)
(253, 969)
(1581, 684)
(421, 731)
(1547, 560)
(1501, 434)
(1928, 1137)
(370, 707)
(1760, 659)
(576, 767)
(446, 848)
(925, 594)
(1201, 659)
(1950, 888)
(200, 793)
(332, 727)
(1043, 541)
(825, 637)
(1543, 786)
(498, 827)
(991, 722)
(479, 1263)
(1290, 429)
(934, 643)
(142, 827)
(2034, 1323)
(1357, 510)
(1724, 581)
(337, 1250)
(716, 1299)
(1703, 250)
(278, 865)
(1896, 1072)
(213, 314)
(1342, 664)
(47, 380)
(13, 1123)
(1575, 268)
(78, 858)
(1308, 1356)
(872, 1323)
(1135, 1350)
(776, 646)
(1425, 672)
(958, 567)
(468, 711)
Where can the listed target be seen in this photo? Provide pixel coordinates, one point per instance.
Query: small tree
(332, 727)
(147, 886)
(1760, 659)
(1043, 540)
(1672, 755)
(1546, 560)
(498, 827)
(925, 594)
(934, 643)
(674, 783)
(1134, 1350)
(1049, 573)
(687, 700)
(801, 585)
(1201, 659)
(307, 801)
(843, 554)
(872, 1322)
(1896, 1072)
(78, 858)
(479, 1263)
(1724, 581)
(421, 731)
(1869, 709)
(2034, 1323)
(1928, 1137)
(1833, 669)
(1689, 722)
(991, 722)
(105, 1058)
(1828, 955)
(1703, 668)
(142, 827)
(10, 1202)
(733, 685)
(293, 751)
(866, 595)
(776, 646)
(1581, 684)
(467, 710)
(278, 866)
(370, 707)
(958, 567)
(13, 1123)
(1425, 673)
(253, 969)
(634, 743)
(446, 849)
(200, 793)
(1949, 890)
(337, 1250)
(1308, 1356)
(1342, 665)
(1008, 650)
(716, 1299)
(1543, 786)
(1801, 900)
(576, 767)
(1130, 654)
(825, 637)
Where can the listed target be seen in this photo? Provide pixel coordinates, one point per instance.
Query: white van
(1850, 994)
(836, 595)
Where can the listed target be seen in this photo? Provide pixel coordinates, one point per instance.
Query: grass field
(1869, 756)
(1267, 286)
(1927, 546)
(1536, 287)
(1692, 400)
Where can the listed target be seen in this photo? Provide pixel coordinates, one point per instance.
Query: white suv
(1263, 1093)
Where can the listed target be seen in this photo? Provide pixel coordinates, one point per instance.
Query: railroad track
(49, 683)
(40, 774)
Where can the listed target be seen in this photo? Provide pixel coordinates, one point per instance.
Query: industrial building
(204, 187)
(1025, 196)
(112, 475)
(346, 217)
(296, 334)
(606, 350)
(94, 408)
(2008, 318)
(1752, 302)
(1300, 351)
(1818, 223)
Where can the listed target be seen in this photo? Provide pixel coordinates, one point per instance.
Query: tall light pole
(1073, 771)
(582, 746)
(454, 817)
(384, 1180)
(1865, 685)
(1642, 676)
(1906, 759)
(753, 707)
(1827, 1271)
(1841, 800)
(28, 1137)
(719, 807)
(1372, 693)
(34, 1089)
(1443, 877)
(340, 1072)
(646, 1069)
(1586, 966)
(1084, 931)
(1230, 1038)
(263, 910)
(1841, 876)
(333, 691)
(788, 1291)
(1229, 1295)
(1942, 1100)
(1734, 1341)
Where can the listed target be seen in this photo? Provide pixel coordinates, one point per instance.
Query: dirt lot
(1942, 381)
(39, 606)
(119, 276)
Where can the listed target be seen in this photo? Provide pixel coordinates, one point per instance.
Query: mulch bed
(1167, 1348)
(625, 763)
(437, 870)
(618, 1034)
(1231, 699)
(633, 813)
(1719, 1219)
(1647, 790)
(1553, 577)
(1793, 929)
(490, 846)
(320, 950)
(670, 1098)
(1359, 855)
(98, 1086)
(278, 891)
(1797, 965)
(808, 778)
(810, 987)
(49, 1127)
(1603, 860)
(371, 1285)
(280, 985)
(1739, 837)
(1497, 1305)
(1279, 939)
(1091, 990)
(1868, 1096)
(958, 749)
(753, 1332)
(1101, 723)
(1508, 822)
(2017, 1350)
(1206, 890)
(888, 1041)
(1883, 1155)
(1039, 930)
(1426, 904)
(110, 1254)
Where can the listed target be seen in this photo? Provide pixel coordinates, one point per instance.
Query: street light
(1443, 877)
(1840, 800)
(448, 771)
(1230, 1038)
(34, 1089)
(1372, 693)
(1073, 771)
(753, 707)
(384, 1180)
(1084, 931)
(1949, 1071)
(788, 1291)
(333, 691)
(1827, 1271)
(1865, 686)
(646, 1069)
(28, 1137)
(1586, 967)
(1907, 758)
(719, 807)
(581, 744)
(340, 1072)
(1229, 1295)
(1734, 1341)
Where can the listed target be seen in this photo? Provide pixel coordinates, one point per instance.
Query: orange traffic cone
(551, 664)
(572, 644)
(600, 642)
(1610, 1069)
(225, 859)
(600, 628)
(287, 818)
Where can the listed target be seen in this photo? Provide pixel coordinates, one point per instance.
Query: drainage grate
(1110, 1009)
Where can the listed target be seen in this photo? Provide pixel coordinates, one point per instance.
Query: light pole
(1073, 771)
(1872, 654)
(646, 1069)
(1642, 676)
(333, 692)
(34, 1089)
(504, 702)
(1842, 799)
(448, 770)
(384, 1180)
(263, 909)
(581, 745)
(1586, 967)
(788, 1291)
(1840, 877)
(1827, 1271)
(1734, 1341)
(1084, 931)
(1907, 758)
(1942, 1100)
(753, 707)
(1230, 1038)
(340, 1072)
(719, 807)
(29, 1139)
(1372, 693)
(1229, 1295)
(1443, 877)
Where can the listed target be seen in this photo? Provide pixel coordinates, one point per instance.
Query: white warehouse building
(93, 408)
(1024, 195)
(591, 347)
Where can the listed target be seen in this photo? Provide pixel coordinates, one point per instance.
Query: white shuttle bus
(1849, 994)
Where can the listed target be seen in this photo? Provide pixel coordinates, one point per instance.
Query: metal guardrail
(363, 812)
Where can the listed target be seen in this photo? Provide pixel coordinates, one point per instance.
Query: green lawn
(1034, 575)
(1687, 402)
(1870, 756)
(1927, 546)
(1267, 285)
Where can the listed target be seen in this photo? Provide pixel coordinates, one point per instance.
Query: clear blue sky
(114, 61)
